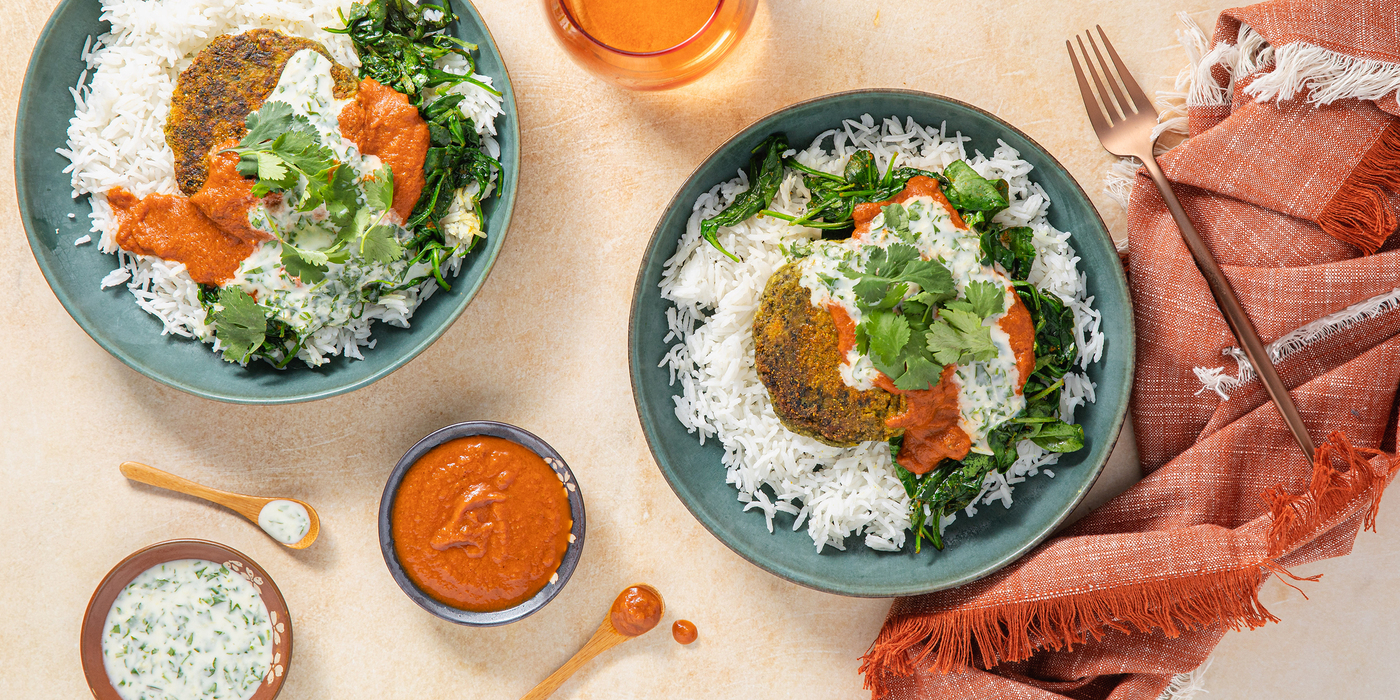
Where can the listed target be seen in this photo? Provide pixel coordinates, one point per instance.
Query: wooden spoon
(249, 507)
(607, 637)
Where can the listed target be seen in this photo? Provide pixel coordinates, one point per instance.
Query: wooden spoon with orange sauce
(635, 612)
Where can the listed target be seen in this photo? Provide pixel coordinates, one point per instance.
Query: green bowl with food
(892, 354)
(263, 205)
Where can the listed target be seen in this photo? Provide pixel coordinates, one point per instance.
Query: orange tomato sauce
(684, 632)
(382, 123)
(635, 611)
(918, 186)
(930, 421)
(480, 523)
(171, 228)
(641, 26)
(227, 196)
(209, 231)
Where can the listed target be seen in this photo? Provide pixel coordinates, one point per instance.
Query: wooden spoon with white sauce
(635, 612)
(289, 521)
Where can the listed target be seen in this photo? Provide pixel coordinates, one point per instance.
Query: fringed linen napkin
(1294, 150)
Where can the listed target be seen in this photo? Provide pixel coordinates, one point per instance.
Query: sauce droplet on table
(684, 631)
(635, 612)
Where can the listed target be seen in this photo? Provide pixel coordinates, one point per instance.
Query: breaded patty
(229, 79)
(797, 353)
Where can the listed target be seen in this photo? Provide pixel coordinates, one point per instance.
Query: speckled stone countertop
(598, 165)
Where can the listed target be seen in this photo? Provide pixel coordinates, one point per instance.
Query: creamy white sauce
(185, 630)
(307, 86)
(987, 394)
(285, 521)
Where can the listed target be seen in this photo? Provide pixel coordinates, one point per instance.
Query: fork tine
(1140, 100)
(1096, 116)
(1108, 106)
(1123, 105)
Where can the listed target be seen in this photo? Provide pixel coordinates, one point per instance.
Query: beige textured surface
(71, 412)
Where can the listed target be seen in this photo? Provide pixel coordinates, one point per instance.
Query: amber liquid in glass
(642, 26)
(649, 44)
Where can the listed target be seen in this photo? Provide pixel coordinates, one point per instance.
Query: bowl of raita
(186, 619)
(892, 354)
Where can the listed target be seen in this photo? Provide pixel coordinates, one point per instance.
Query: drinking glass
(654, 70)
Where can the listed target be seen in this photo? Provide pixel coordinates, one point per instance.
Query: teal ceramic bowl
(111, 316)
(976, 546)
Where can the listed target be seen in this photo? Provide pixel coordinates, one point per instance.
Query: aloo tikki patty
(229, 79)
(797, 354)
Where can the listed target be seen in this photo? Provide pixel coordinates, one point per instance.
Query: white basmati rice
(116, 139)
(835, 492)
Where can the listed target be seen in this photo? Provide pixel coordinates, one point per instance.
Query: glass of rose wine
(649, 44)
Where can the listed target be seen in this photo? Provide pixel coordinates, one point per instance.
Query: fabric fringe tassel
(1185, 686)
(1325, 76)
(1006, 633)
(1332, 491)
(1360, 214)
(1214, 378)
(956, 639)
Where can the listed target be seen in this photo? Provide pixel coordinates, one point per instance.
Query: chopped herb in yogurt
(187, 629)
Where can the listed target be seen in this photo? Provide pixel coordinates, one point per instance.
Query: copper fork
(1124, 125)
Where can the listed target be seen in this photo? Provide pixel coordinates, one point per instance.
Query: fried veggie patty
(797, 355)
(227, 80)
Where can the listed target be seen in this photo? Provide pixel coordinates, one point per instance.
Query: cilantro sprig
(240, 324)
(282, 152)
(913, 321)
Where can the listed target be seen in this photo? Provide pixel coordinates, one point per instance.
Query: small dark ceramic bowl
(515, 435)
(94, 620)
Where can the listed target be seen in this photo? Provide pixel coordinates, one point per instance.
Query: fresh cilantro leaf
(963, 321)
(920, 375)
(894, 295)
(239, 323)
(931, 299)
(378, 244)
(960, 305)
(888, 332)
(248, 164)
(298, 140)
(338, 192)
(895, 257)
(987, 298)
(272, 168)
(959, 337)
(918, 314)
(944, 342)
(896, 218)
(932, 277)
(889, 369)
(359, 222)
(299, 264)
(267, 123)
(979, 346)
(379, 189)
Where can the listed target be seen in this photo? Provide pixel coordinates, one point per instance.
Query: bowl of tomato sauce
(481, 523)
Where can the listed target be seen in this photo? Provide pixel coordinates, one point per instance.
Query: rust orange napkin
(1289, 175)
